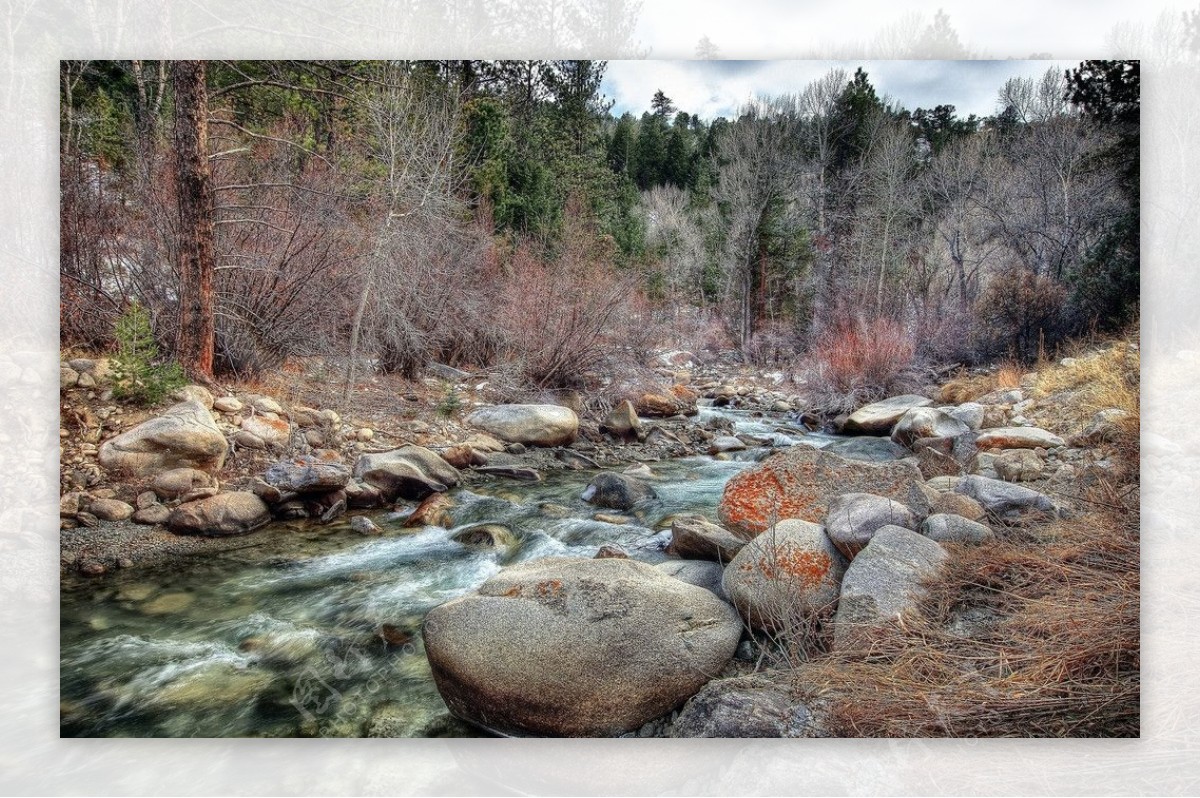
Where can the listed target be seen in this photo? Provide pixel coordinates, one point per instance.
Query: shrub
(1020, 313)
(136, 376)
(856, 361)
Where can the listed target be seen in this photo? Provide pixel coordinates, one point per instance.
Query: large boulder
(532, 425)
(179, 482)
(747, 706)
(878, 418)
(617, 491)
(1018, 438)
(883, 582)
(679, 400)
(576, 647)
(853, 518)
(969, 413)
(870, 448)
(307, 474)
(274, 432)
(185, 436)
(410, 472)
(801, 483)
(224, 514)
(785, 575)
(926, 422)
(999, 497)
(694, 537)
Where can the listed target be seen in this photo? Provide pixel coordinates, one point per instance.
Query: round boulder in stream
(617, 491)
(576, 647)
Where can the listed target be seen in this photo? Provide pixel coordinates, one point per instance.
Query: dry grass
(1037, 635)
(1099, 380)
(966, 387)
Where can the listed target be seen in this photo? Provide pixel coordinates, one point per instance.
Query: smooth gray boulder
(694, 537)
(854, 517)
(410, 472)
(882, 583)
(747, 706)
(577, 647)
(878, 418)
(1000, 497)
(531, 425)
(949, 528)
(969, 413)
(224, 514)
(617, 491)
(926, 422)
(785, 575)
(307, 474)
(700, 573)
(184, 436)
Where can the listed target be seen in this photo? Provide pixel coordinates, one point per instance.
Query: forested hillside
(498, 214)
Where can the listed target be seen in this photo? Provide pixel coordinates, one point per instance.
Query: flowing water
(316, 630)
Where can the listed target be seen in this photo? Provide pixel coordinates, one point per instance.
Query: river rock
(227, 404)
(534, 425)
(878, 418)
(678, 401)
(195, 393)
(1018, 438)
(264, 404)
(926, 422)
(485, 536)
(183, 436)
(1000, 497)
(969, 413)
(410, 472)
(110, 509)
(274, 432)
(577, 647)
(870, 448)
(883, 582)
(947, 528)
(745, 707)
(434, 510)
(953, 503)
(365, 526)
(224, 514)
(694, 537)
(1019, 465)
(617, 491)
(179, 482)
(725, 443)
(800, 483)
(1105, 427)
(152, 515)
(700, 573)
(622, 422)
(853, 518)
(785, 575)
(463, 456)
(307, 474)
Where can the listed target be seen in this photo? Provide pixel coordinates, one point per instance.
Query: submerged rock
(410, 472)
(577, 647)
(617, 491)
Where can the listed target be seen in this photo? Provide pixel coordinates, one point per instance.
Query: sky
(716, 88)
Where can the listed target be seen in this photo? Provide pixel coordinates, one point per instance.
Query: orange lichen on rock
(808, 568)
(800, 483)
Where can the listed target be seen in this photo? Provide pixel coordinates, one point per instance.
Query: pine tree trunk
(194, 346)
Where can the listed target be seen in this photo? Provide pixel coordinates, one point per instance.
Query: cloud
(717, 88)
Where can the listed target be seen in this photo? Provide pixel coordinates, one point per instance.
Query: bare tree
(413, 142)
(760, 171)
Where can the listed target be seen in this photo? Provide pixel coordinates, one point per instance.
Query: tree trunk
(194, 346)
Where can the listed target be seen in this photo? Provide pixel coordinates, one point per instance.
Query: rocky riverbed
(237, 565)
